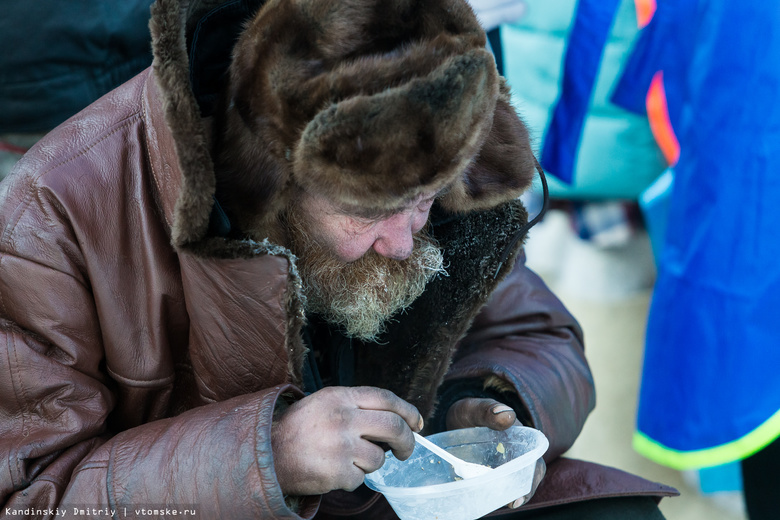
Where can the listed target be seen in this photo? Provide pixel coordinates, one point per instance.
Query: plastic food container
(424, 487)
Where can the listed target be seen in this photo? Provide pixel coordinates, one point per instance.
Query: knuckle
(396, 426)
(460, 407)
(346, 416)
(346, 444)
(375, 460)
(456, 415)
(385, 395)
(336, 393)
(326, 392)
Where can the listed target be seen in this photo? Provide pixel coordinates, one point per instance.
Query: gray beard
(361, 296)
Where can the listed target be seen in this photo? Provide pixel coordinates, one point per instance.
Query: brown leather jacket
(144, 357)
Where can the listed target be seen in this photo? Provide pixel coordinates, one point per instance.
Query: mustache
(362, 296)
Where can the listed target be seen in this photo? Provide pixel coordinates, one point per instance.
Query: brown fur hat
(369, 102)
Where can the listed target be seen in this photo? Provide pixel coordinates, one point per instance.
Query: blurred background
(656, 124)
(658, 130)
(609, 291)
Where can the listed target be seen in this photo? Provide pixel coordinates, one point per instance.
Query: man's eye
(361, 224)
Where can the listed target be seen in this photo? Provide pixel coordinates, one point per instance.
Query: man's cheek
(351, 248)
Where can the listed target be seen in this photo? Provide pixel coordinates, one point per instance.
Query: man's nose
(395, 236)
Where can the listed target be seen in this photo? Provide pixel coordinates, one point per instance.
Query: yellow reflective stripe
(729, 452)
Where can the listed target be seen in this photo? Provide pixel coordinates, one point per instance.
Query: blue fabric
(589, 33)
(666, 44)
(616, 156)
(717, 479)
(712, 351)
(654, 203)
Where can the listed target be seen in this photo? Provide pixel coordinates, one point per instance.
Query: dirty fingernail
(501, 409)
(420, 424)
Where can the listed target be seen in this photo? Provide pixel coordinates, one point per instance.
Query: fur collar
(423, 339)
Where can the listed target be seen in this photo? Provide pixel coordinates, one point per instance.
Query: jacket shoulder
(68, 180)
(87, 130)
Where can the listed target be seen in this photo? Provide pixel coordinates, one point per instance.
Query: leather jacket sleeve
(56, 444)
(526, 338)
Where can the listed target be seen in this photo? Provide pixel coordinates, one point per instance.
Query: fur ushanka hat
(370, 103)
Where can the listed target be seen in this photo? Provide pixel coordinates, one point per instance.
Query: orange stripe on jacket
(660, 124)
(645, 9)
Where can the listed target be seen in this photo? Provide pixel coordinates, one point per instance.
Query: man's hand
(328, 440)
(473, 411)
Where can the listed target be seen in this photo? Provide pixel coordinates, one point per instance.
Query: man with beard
(230, 283)
(358, 271)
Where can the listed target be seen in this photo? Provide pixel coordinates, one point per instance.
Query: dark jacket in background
(58, 57)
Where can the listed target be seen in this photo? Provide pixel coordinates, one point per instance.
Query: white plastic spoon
(462, 468)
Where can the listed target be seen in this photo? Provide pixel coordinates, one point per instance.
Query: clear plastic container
(424, 487)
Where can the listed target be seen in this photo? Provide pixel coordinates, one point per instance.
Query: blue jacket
(563, 61)
(710, 392)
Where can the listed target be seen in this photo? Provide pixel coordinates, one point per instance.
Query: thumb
(475, 411)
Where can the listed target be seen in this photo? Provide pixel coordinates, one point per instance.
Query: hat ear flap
(503, 169)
